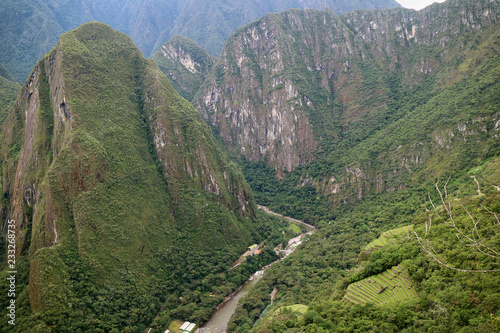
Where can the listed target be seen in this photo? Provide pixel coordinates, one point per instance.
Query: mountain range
(134, 183)
(335, 114)
(300, 82)
(106, 170)
(350, 122)
(29, 29)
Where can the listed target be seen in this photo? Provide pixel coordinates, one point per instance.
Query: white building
(187, 327)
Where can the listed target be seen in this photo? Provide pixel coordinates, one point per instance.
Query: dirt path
(267, 210)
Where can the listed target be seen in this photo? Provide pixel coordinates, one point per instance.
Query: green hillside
(386, 237)
(116, 186)
(458, 291)
(185, 63)
(5, 73)
(8, 94)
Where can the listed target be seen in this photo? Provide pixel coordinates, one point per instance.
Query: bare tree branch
(475, 240)
(429, 250)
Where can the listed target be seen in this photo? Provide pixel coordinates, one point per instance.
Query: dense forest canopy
(133, 208)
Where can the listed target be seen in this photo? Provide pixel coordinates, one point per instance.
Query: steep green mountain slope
(185, 63)
(459, 297)
(8, 92)
(117, 189)
(29, 28)
(304, 86)
(5, 73)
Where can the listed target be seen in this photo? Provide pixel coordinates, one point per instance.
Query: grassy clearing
(295, 228)
(386, 237)
(297, 310)
(175, 325)
(301, 308)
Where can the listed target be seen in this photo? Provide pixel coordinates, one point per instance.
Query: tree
(474, 230)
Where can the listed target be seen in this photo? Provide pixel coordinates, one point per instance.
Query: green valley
(132, 209)
(371, 110)
(119, 195)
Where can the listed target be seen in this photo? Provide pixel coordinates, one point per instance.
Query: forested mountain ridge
(5, 73)
(9, 89)
(350, 77)
(210, 23)
(114, 182)
(185, 63)
(29, 29)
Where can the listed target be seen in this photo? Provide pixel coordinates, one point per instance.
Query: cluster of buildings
(187, 327)
(254, 249)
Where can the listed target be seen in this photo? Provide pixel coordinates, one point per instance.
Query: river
(219, 320)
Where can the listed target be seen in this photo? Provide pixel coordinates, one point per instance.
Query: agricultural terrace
(393, 285)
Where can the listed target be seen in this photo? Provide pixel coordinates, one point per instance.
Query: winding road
(219, 319)
(221, 316)
(267, 210)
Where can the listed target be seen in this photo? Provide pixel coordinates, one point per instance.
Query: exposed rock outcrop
(297, 83)
(105, 164)
(185, 63)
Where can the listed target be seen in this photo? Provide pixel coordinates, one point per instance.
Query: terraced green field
(393, 285)
(385, 238)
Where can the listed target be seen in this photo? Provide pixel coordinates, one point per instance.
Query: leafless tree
(468, 236)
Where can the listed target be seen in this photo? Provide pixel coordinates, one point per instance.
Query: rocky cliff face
(448, 52)
(185, 63)
(298, 83)
(104, 165)
(419, 44)
(287, 83)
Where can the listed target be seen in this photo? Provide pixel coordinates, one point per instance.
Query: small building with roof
(187, 327)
